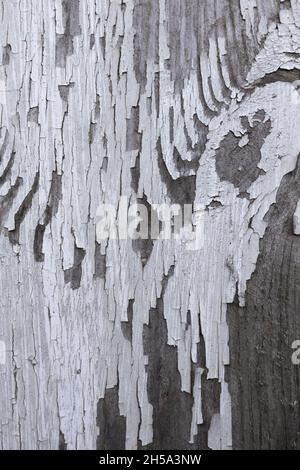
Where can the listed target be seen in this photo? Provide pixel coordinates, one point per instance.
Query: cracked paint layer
(108, 98)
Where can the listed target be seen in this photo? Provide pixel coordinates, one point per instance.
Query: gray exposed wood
(264, 384)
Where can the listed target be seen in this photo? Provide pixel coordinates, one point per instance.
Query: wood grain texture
(160, 101)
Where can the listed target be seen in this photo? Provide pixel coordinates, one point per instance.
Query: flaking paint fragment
(296, 220)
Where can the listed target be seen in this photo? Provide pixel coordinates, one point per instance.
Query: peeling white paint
(297, 220)
(52, 331)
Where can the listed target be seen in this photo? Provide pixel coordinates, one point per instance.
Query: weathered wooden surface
(125, 343)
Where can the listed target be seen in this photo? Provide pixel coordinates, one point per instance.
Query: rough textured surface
(263, 380)
(160, 101)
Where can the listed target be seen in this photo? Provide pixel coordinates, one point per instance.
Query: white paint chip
(296, 220)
